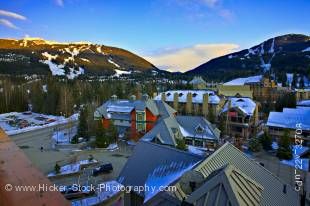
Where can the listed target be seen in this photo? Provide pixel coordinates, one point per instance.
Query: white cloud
(12, 15)
(59, 2)
(188, 58)
(7, 23)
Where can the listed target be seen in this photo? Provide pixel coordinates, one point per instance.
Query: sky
(176, 35)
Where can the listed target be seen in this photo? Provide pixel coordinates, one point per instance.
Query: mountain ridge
(71, 59)
(288, 53)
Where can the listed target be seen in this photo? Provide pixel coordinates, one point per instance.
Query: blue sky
(173, 34)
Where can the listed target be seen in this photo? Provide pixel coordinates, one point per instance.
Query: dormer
(199, 129)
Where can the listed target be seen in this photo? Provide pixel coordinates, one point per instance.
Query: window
(140, 127)
(199, 129)
(198, 143)
(189, 141)
(140, 116)
(140, 121)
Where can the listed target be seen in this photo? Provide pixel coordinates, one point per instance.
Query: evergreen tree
(302, 82)
(211, 116)
(255, 145)
(101, 140)
(82, 127)
(181, 144)
(266, 141)
(284, 150)
(57, 168)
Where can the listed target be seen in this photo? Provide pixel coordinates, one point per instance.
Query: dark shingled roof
(272, 193)
(227, 186)
(148, 157)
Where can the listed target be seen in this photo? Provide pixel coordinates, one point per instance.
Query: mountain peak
(34, 55)
(281, 54)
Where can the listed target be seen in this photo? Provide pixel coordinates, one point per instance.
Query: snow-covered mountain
(280, 55)
(39, 56)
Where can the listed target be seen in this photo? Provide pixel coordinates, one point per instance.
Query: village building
(198, 83)
(196, 131)
(155, 121)
(302, 94)
(226, 177)
(240, 119)
(153, 165)
(290, 119)
(192, 102)
(259, 88)
(303, 103)
(133, 117)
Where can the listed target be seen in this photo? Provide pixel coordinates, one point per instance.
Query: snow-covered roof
(197, 80)
(107, 190)
(164, 165)
(245, 80)
(18, 122)
(197, 96)
(246, 105)
(188, 127)
(112, 109)
(304, 103)
(292, 117)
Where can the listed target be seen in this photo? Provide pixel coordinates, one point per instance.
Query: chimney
(114, 97)
(145, 97)
(205, 104)
(189, 103)
(133, 98)
(163, 96)
(175, 101)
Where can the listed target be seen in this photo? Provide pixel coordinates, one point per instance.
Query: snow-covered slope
(39, 56)
(283, 54)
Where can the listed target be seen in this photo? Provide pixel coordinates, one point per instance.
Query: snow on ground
(271, 50)
(85, 60)
(196, 150)
(49, 56)
(289, 77)
(306, 49)
(44, 88)
(57, 70)
(112, 62)
(120, 72)
(74, 52)
(297, 150)
(112, 147)
(64, 136)
(72, 168)
(99, 50)
(105, 191)
(15, 122)
(75, 73)
(250, 51)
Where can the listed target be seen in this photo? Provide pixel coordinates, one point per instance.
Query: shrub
(255, 145)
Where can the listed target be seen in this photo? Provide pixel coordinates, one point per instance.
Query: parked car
(105, 168)
(72, 193)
